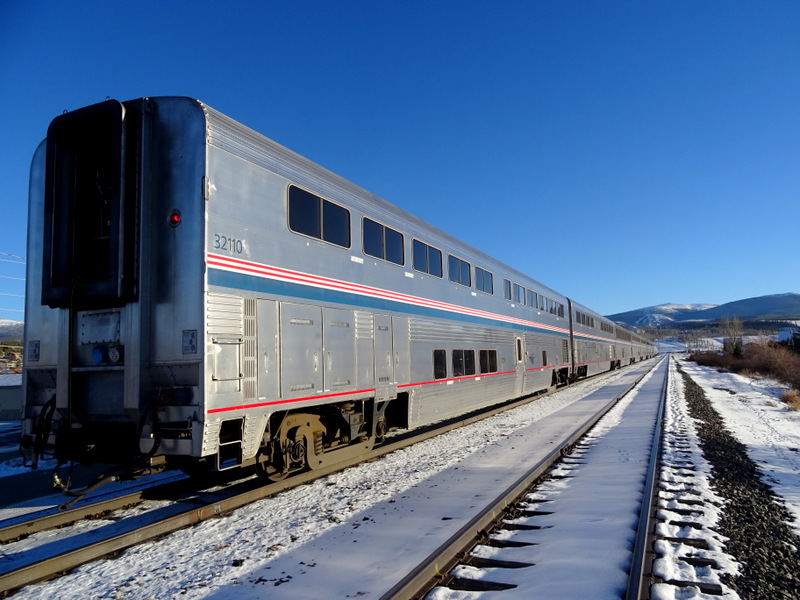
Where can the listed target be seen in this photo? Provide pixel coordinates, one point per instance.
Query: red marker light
(175, 218)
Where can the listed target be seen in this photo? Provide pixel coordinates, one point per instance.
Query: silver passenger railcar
(198, 294)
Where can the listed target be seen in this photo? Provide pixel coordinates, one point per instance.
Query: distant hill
(664, 315)
(11, 331)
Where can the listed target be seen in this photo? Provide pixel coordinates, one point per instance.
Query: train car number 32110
(230, 244)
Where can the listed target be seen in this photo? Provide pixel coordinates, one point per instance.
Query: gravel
(754, 519)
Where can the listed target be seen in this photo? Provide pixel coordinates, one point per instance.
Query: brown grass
(792, 399)
(763, 358)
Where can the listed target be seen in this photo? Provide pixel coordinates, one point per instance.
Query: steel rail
(23, 526)
(53, 566)
(438, 564)
(639, 579)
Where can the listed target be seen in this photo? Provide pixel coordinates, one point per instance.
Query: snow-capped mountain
(772, 306)
(11, 331)
(660, 315)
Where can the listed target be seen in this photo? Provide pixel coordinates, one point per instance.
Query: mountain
(776, 305)
(773, 306)
(11, 331)
(659, 316)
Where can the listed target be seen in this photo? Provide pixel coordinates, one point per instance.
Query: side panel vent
(225, 314)
(249, 358)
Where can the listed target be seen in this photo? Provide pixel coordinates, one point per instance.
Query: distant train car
(198, 294)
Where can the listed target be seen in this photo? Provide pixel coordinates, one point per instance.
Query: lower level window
(439, 364)
(488, 361)
(463, 363)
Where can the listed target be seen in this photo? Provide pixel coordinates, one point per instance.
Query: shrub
(764, 357)
(792, 399)
(713, 359)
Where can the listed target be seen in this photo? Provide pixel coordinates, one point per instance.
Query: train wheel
(380, 430)
(266, 469)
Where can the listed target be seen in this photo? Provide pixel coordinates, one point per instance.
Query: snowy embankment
(753, 412)
(758, 528)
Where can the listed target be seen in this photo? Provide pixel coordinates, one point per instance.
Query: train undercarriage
(294, 441)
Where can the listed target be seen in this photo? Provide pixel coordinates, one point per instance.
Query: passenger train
(198, 296)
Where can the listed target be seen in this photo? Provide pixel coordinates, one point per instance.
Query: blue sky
(626, 154)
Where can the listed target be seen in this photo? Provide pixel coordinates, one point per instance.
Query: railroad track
(96, 506)
(134, 523)
(493, 551)
(17, 527)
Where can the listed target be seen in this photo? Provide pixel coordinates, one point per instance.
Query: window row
(584, 319)
(624, 335)
(315, 217)
(463, 362)
(518, 294)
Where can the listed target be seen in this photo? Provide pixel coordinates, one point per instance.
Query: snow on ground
(753, 412)
(680, 437)
(706, 344)
(14, 466)
(252, 553)
(670, 345)
(10, 432)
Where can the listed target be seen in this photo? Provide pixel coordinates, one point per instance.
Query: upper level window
(427, 259)
(317, 218)
(459, 271)
(532, 302)
(506, 289)
(383, 242)
(519, 294)
(584, 319)
(484, 281)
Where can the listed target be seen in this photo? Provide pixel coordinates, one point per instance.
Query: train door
(401, 346)
(267, 368)
(301, 350)
(339, 341)
(365, 351)
(384, 351)
(519, 351)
